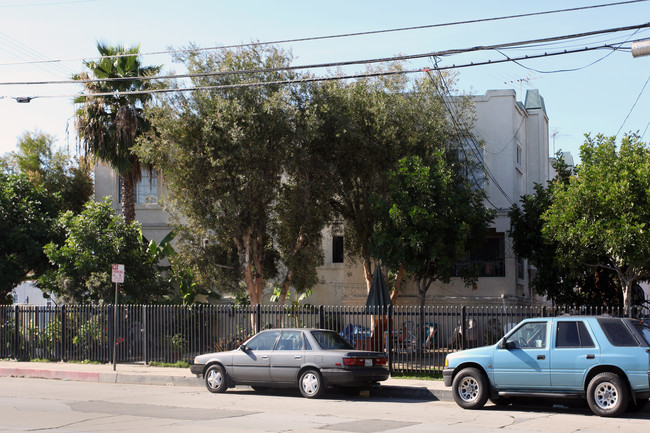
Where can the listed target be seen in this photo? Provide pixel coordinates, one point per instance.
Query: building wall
(154, 220)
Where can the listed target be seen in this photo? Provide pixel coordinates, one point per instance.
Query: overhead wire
(301, 80)
(442, 53)
(569, 69)
(346, 35)
(633, 106)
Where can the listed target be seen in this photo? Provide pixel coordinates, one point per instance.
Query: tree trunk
(128, 199)
(367, 272)
(398, 285)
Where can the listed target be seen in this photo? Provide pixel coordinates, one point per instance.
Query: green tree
(369, 125)
(55, 170)
(109, 124)
(599, 219)
(226, 158)
(94, 240)
(27, 213)
(434, 216)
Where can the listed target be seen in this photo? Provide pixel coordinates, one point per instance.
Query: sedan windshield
(329, 340)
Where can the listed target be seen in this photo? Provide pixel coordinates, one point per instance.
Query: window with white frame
(146, 190)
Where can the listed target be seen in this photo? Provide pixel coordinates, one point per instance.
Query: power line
(443, 53)
(633, 105)
(312, 79)
(571, 69)
(344, 35)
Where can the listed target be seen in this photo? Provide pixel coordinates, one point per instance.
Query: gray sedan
(311, 359)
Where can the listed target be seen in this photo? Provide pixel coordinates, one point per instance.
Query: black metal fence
(415, 339)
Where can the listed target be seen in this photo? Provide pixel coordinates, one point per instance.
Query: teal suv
(603, 359)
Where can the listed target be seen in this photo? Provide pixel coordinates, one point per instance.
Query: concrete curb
(413, 391)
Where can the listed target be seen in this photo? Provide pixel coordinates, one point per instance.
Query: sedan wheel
(311, 384)
(470, 389)
(215, 379)
(607, 395)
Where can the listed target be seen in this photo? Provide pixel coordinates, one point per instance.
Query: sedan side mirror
(243, 348)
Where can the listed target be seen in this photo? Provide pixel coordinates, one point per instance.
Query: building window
(487, 260)
(337, 249)
(518, 155)
(146, 190)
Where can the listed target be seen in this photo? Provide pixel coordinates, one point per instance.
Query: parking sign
(117, 275)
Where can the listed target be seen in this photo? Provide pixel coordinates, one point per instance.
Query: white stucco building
(515, 152)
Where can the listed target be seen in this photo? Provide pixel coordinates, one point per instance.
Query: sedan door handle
(265, 356)
(541, 356)
(298, 356)
(591, 356)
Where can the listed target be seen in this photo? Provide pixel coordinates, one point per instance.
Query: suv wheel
(607, 395)
(470, 388)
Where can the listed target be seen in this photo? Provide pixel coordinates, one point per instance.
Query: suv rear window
(617, 333)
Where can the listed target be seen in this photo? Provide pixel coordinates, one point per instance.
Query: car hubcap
(215, 379)
(468, 389)
(310, 384)
(606, 395)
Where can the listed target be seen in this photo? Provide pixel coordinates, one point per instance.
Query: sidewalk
(167, 376)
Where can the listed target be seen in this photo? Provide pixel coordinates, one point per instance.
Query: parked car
(311, 359)
(603, 359)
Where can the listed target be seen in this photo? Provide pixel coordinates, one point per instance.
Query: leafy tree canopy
(27, 214)
(434, 217)
(94, 240)
(599, 218)
(53, 169)
(230, 163)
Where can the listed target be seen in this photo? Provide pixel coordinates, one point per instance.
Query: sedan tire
(215, 379)
(311, 384)
(470, 388)
(608, 395)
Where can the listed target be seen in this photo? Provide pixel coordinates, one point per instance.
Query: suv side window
(529, 336)
(573, 334)
(617, 333)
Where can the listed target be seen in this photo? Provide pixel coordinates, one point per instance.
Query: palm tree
(109, 124)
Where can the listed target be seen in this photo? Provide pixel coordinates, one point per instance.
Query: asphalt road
(68, 406)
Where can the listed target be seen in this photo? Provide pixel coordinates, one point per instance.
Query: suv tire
(608, 395)
(470, 388)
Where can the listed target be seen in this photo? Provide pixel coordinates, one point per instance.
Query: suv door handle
(541, 356)
(591, 356)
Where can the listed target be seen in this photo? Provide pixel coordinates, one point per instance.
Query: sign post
(117, 277)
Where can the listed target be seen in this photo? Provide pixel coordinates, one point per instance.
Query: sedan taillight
(362, 362)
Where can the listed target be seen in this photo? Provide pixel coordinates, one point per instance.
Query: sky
(604, 94)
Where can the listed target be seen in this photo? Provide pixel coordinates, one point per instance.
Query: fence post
(63, 332)
(389, 343)
(463, 328)
(16, 331)
(145, 339)
(258, 318)
(321, 316)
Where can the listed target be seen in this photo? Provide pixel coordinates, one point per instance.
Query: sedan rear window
(331, 340)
